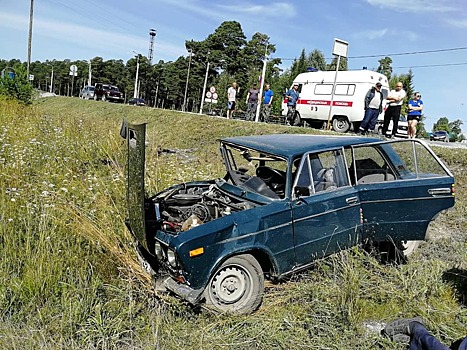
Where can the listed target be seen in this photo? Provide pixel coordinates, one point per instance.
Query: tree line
(231, 57)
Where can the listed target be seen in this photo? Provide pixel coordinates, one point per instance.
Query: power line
(411, 53)
(393, 54)
(435, 65)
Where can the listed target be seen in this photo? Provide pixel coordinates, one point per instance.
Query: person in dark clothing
(373, 107)
(413, 332)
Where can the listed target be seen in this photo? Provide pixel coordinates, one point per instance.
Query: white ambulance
(348, 104)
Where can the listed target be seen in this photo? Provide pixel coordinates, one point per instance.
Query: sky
(427, 36)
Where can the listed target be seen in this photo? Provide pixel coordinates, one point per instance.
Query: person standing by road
(373, 107)
(252, 102)
(415, 114)
(231, 96)
(292, 97)
(393, 112)
(268, 95)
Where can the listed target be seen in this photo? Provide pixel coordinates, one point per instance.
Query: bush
(18, 87)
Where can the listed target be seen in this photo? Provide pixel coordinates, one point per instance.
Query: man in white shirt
(395, 99)
(231, 95)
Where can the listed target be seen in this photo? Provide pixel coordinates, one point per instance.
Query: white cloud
(93, 39)
(414, 5)
(386, 34)
(279, 9)
(459, 23)
(374, 34)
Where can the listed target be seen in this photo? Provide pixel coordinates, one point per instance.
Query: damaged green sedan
(285, 201)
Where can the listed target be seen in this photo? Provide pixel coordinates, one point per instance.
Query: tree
(385, 67)
(316, 60)
(342, 65)
(456, 132)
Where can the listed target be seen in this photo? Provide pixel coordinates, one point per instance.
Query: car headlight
(172, 258)
(158, 250)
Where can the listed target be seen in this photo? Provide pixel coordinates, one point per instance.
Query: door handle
(351, 200)
(439, 191)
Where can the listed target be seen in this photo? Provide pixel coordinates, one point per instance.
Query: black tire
(237, 286)
(395, 252)
(297, 121)
(340, 124)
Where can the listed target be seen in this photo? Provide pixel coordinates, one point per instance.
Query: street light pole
(204, 89)
(135, 94)
(187, 77)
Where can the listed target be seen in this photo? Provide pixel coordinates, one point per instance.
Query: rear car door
(402, 186)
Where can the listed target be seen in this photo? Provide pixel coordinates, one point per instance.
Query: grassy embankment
(69, 278)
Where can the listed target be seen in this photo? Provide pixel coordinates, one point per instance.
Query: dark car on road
(137, 102)
(285, 201)
(440, 135)
(107, 92)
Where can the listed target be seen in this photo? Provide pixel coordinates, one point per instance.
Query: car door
(402, 186)
(325, 208)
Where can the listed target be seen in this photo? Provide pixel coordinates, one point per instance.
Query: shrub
(18, 87)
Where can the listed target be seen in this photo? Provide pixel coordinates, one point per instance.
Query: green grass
(69, 278)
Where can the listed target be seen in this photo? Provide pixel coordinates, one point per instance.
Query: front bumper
(164, 282)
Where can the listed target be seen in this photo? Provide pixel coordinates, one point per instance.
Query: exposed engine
(188, 207)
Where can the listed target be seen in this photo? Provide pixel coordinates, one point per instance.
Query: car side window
(325, 171)
(369, 166)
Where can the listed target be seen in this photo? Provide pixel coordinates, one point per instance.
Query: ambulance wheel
(340, 124)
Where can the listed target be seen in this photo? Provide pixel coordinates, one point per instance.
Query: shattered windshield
(256, 171)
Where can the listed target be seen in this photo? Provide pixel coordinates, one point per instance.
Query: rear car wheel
(237, 286)
(297, 120)
(395, 251)
(340, 124)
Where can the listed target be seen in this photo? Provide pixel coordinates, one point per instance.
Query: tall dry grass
(69, 278)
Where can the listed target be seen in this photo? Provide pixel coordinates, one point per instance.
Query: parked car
(106, 92)
(285, 201)
(87, 93)
(137, 102)
(402, 127)
(440, 135)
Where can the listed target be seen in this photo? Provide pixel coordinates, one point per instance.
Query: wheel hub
(229, 286)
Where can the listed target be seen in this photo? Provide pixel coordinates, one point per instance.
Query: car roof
(293, 145)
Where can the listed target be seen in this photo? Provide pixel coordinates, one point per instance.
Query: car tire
(297, 121)
(409, 247)
(394, 251)
(237, 286)
(340, 124)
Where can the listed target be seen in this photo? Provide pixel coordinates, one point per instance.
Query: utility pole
(263, 74)
(135, 94)
(52, 80)
(187, 77)
(89, 77)
(204, 89)
(31, 14)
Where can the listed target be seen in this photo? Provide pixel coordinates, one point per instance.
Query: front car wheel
(237, 286)
(340, 124)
